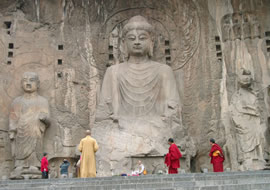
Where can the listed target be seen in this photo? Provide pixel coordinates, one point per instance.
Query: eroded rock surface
(202, 46)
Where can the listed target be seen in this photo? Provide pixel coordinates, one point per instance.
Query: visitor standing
(44, 166)
(172, 158)
(217, 156)
(64, 168)
(88, 147)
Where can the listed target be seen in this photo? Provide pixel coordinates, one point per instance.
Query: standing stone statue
(28, 120)
(139, 102)
(246, 118)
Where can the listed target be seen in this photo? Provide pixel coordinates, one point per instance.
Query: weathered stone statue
(28, 120)
(139, 105)
(246, 119)
(139, 87)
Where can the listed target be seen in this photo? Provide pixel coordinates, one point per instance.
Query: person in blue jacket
(64, 168)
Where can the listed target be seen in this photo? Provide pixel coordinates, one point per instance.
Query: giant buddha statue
(139, 102)
(138, 87)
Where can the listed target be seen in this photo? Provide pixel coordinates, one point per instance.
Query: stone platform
(259, 180)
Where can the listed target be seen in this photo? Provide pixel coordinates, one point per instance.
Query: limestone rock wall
(243, 32)
(70, 43)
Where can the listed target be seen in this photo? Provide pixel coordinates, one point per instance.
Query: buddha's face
(30, 83)
(138, 42)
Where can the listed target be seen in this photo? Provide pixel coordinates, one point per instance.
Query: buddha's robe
(245, 116)
(24, 120)
(144, 89)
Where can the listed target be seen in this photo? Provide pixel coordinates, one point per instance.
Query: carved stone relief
(135, 108)
(240, 25)
(71, 45)
(245, 113)
(174, 44)
(29, 117)
(244, 57)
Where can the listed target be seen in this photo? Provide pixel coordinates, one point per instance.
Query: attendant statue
(29, 117)
(139, 101)
(246, 118)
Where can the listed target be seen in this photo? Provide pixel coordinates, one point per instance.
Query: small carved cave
(10, 45)
(60, 47)
(10, 54)
(59, 62)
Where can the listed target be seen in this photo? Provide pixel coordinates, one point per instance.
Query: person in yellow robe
(88, 147)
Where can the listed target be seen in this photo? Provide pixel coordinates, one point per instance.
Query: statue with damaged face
(29, 117)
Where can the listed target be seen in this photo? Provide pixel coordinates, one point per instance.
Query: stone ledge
(206, 181)
(174, 177)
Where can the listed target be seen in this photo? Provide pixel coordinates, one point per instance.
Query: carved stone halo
(46, 81)
(175, 39)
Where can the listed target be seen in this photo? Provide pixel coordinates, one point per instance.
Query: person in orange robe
(172, 158)
(217, 156)
(88, 147)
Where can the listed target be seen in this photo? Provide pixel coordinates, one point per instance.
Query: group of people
(87, 163)
(172, 158)
(45, 167)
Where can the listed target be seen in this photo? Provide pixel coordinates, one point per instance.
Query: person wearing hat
(64, 168)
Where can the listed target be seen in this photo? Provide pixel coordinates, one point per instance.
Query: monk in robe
(172, 158)
(217, 156)
(88, 147)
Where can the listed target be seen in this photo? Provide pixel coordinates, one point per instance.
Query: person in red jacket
(217, 156)
(44, 166)
(172, 158)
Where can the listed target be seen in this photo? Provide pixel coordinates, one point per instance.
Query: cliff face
(70, 44)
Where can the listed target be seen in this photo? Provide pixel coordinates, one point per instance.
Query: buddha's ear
(151, 48)
(123, 50)
(37, 80)
(38, 83)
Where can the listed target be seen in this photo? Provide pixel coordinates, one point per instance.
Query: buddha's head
(138, 37)
(30, 82)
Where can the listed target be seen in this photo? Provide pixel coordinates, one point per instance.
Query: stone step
(257, 186)
(148, 178)
(198, 181)
(180, 180)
